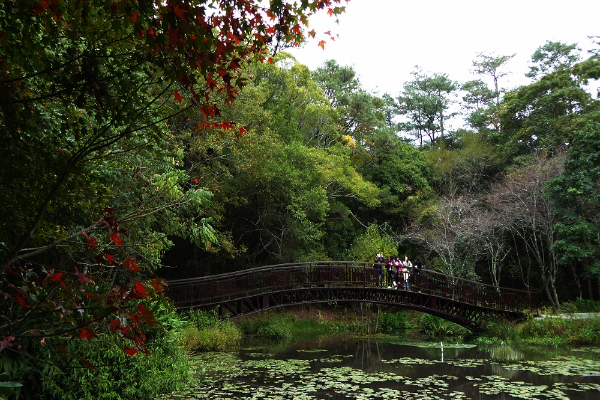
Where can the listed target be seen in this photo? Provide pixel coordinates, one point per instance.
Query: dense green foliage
(553, 331)
(99, 368)
(205, 332)
(125, 156)
(118, 376)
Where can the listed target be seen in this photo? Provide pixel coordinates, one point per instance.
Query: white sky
(384, 39)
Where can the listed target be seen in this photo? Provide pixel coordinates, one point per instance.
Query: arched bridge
(253, 290)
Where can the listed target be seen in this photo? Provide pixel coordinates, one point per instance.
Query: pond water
(337, 368)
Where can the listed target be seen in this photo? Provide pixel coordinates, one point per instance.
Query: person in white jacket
(406, 271)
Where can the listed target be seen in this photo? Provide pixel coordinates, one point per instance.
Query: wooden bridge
(254, 290)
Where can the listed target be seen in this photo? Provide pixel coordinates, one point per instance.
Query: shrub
(248, 326)
(438, 327)
(224, 336)
(392, 322)
(502, 330)
(277, 328)
(561, 331)
(202, 319)
(116, 375)
(583, 305)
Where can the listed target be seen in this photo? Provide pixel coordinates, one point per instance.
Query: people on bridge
(397, 264)
(378, 265)
(389, 267)
(394, 272)
(406, 272)
(407, 263)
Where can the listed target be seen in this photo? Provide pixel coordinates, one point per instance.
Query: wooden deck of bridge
(254, 290)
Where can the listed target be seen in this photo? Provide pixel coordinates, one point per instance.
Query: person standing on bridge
(378, 265)
(406, 271)
(389, 267)
(397, 265)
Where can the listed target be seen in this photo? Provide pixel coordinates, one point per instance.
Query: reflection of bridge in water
(254, 290)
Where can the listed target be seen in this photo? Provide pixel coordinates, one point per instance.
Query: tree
(552, 56)
(520, 203)
(371, 242)
(544, 114)
(108, 87)
(479, 101)
(91, 185)
(492, 65)
(575, 196)
(425, 102)
(466, 165)
(402, 174)
(442, 232)
(279, 184)
(360, 114)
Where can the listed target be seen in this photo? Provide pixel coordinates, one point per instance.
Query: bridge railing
(194, 292)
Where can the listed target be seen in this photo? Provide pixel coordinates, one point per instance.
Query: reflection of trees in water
(368, 354)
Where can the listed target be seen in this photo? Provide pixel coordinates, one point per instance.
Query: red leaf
(6, 342)
(322, 44)
(57, 277)
(173, 35)
(179, 11)
(90, 240)
(82, 278)
(131, 351)
(330, 12)
(21, 302)
(147, 315)
(115, 238)
(156, 285)
(131, 264)
(134, 17)
(139, 288)
(114, 324)
(177, 96)
(109, 258)
(85, 334)
(52, 277)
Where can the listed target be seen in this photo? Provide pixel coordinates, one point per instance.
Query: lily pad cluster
(322, 374)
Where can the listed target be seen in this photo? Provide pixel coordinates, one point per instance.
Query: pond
(337, 368)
